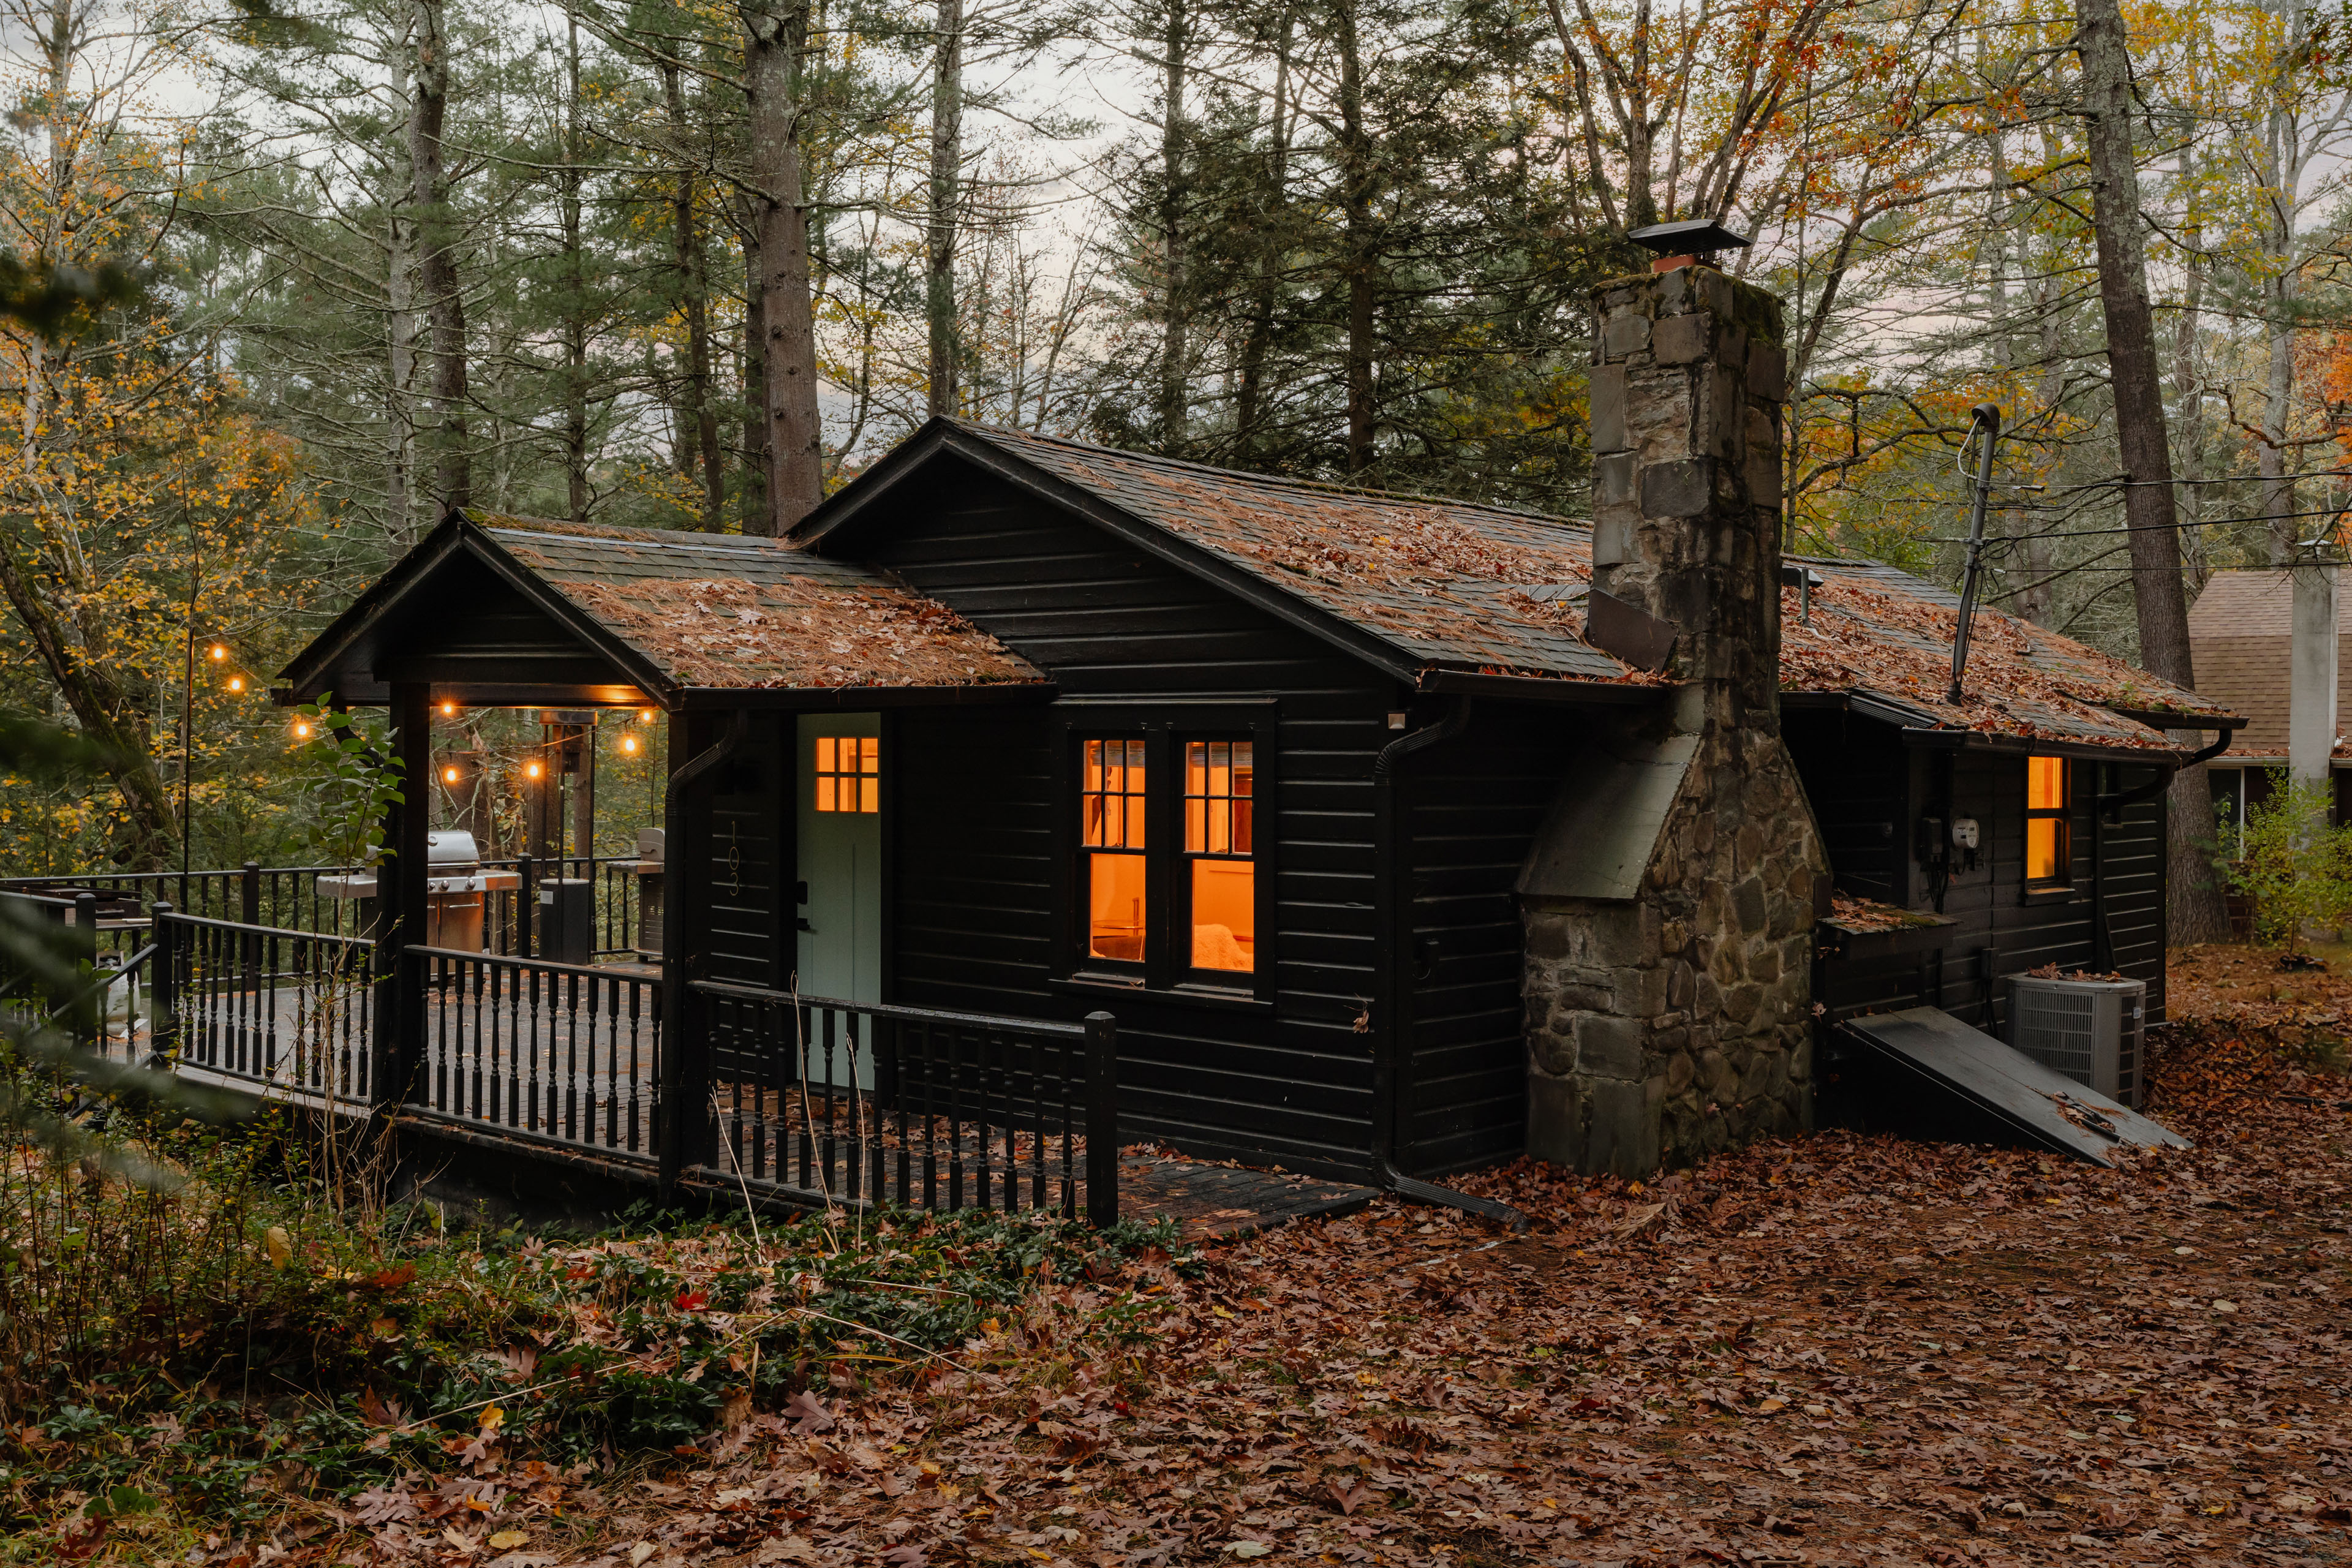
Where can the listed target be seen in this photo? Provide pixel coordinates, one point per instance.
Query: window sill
(2049, 895)
(1216, 998)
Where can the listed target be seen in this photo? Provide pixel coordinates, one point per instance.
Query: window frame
(2063, 814)
(1165, 972)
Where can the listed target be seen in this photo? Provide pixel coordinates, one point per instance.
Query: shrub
(2287, 860)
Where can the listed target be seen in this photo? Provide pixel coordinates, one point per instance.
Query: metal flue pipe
(1986, 424)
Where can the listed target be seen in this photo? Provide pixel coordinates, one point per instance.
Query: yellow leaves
(280, 1248)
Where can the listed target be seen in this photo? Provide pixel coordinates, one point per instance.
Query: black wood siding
(974, 847)
(1474, 804)
(750, 803)
(2111, 919)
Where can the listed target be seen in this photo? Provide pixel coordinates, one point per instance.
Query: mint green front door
(839, 783)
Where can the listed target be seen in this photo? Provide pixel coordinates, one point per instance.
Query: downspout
(670, 1121)
(1392, 969)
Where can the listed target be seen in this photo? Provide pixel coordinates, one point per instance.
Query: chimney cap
(1692, 237)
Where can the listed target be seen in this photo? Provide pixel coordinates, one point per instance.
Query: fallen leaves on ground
(1829, 1350)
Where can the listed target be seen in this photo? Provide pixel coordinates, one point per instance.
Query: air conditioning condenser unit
(2089, 1030)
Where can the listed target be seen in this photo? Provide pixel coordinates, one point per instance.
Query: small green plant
(2290, 862)
(354, 787)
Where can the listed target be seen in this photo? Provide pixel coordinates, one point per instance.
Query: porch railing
(801, 1100)
(561, 1051)
(290, 1011)
(831, 1101)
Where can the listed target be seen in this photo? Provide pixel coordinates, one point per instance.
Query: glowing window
(1219, 785)
(2049, 852)
(848, 773)
(1111, 823)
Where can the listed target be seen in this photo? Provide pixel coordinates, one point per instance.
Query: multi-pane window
(2049, 853)
(1111, 816)
(848, 773)
(1219, 777)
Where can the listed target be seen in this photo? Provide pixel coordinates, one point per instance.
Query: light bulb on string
(236, 683)
(219, 653)
(302, 729)
(448, 776)
(447, 709)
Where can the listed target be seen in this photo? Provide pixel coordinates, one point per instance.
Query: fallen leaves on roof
(1863, 915)
(797, 633)
(2022, 681)
(1462, 585)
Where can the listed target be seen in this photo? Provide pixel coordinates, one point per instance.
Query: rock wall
(1675, 1019)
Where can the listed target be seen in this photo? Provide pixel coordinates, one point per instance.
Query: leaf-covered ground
(1826, 1351)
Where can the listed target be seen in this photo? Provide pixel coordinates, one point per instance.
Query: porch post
(683, 1126)
(399, 900)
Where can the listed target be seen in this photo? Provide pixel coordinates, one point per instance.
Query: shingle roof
(1451, 585)
(1880, 631)
(722, 611)
(2240, 636)
(1459, 584)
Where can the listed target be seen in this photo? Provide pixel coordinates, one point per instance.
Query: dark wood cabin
(1254, 765)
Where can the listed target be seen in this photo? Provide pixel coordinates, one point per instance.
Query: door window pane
(848, 774)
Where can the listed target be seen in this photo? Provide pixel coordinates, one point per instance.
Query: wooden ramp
(1930, 1051)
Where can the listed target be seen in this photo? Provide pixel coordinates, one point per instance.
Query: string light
(530, 770)
(629, 745)
(219, 653)
(236, 683)
(447, 709)
(302, 729)
(645, 715)
(448, 776)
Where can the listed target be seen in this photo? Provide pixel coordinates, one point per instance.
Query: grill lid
(451, 847)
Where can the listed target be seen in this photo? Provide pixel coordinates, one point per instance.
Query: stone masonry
(1674, 1021)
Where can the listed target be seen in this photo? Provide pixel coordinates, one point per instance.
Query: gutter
(1392, 939)
(2113, 805)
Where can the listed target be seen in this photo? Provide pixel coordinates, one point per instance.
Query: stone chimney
(1670, 901)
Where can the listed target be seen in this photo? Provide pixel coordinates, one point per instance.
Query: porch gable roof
(657, 612)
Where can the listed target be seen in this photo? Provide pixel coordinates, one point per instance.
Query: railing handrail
(176, 917)
(743, 992)
(11, 884)
(32, 898)
(514, 961)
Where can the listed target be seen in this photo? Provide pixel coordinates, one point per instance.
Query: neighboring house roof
(2240, 636)
(1453, 586)
(715, 610)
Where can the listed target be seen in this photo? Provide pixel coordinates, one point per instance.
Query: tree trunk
(755, 384)
(437, 262)
(104, 712)
(947, 171)
(1248, 398)
(796, 456)
(1355, 176)
(575, 286)
(400, 370)
(2278, 390)
(701, 437)
(1175, 345)
(2195, 911)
